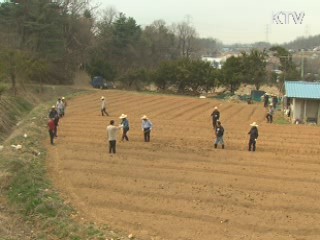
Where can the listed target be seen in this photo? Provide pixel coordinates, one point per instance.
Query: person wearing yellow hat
(146, 128)
(253, 136)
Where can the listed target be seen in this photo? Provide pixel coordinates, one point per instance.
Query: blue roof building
(303, 101)
(302, 89)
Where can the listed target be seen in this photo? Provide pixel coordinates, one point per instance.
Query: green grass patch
(279, 118)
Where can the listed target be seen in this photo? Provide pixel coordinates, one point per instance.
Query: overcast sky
(231, 21)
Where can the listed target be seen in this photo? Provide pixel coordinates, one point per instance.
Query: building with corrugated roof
(303, 101)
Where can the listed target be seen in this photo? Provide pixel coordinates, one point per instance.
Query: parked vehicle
(100, 82)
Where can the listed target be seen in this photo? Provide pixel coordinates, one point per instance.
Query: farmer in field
(112, 132)
(60, 108)
(63, 100)
(146, 128)
(270, 113)
(266, 100)
(219, 134)
(253, 136)
(125, 127)
(54, 115)
(51, 128)
(215, 117)
(103, 107)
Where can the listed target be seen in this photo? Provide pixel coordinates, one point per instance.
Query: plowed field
(178, 186)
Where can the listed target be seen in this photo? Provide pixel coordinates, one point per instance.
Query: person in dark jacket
(266, 100)
(215, 117)
(125, 127)
(219, 134)
(53, 112)
(253, 136)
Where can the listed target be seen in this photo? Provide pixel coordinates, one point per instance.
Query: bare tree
(186, 35)
(109, 14)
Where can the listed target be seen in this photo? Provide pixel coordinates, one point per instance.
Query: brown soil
(178, 186)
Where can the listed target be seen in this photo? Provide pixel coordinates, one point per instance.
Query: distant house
(214, 62)
(303, 100)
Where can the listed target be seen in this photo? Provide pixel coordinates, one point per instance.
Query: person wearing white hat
(125, 127)
(103, 107)
(215, 117)
(53, 112)
(253, 136)
(146, 128)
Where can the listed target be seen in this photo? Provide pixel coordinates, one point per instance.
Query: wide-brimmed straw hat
(215, 107)
(144, 117)
(53, 106)
(102, 98)
(123, 116)
(254, 124)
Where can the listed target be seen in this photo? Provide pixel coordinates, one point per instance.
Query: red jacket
(51, 125)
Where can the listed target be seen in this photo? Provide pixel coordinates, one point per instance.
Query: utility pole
(302, 65)
(267, 33)
(286, 62)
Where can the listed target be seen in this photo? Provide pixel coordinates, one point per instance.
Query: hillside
(304, 43)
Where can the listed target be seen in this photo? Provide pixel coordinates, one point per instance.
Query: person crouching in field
(112, 132)
(146, 128)
(219, 134)
(253, 136)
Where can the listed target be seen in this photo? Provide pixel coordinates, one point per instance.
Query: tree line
(47, 41)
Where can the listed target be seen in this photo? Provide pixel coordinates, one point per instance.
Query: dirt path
(178, 186)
